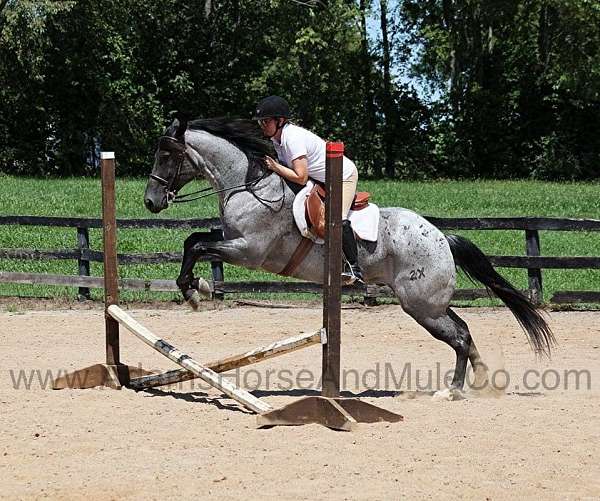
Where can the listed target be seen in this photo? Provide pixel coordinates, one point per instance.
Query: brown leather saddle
(315, 208)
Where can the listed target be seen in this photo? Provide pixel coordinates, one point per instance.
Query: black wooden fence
(532, 261)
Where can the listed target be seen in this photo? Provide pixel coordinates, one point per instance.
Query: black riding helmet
(272, 107)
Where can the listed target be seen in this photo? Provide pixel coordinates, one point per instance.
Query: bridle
(178, 148)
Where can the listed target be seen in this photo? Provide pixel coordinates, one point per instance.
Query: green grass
(82, 197)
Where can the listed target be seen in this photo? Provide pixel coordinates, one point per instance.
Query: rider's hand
(272, 164)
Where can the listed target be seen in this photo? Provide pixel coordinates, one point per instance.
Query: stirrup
(351, 275)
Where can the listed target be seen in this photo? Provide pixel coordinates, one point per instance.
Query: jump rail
(187, 362)
(532, 261)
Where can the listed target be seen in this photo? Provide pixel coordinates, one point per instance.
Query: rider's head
(272, 113)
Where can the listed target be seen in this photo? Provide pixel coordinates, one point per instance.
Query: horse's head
(172, 167)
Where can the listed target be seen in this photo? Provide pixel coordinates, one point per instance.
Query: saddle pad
(365, 222)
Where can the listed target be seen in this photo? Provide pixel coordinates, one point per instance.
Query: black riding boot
(352, 271)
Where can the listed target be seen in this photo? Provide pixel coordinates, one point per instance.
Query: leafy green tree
(24, 114)
(519, 83)
(513, 87)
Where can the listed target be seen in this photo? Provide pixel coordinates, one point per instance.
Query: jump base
(336, 413)
(111, 376)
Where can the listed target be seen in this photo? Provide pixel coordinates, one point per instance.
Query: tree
(24, 124)
(511, 76)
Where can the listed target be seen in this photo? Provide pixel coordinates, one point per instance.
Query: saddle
(315, 208)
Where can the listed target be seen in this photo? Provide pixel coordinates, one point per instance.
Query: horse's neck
(224, 164)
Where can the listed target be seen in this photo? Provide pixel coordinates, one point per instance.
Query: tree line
(415, 88)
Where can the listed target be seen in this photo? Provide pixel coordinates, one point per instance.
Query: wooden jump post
(113, 373)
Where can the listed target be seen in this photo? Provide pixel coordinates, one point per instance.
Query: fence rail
(533, 261)
(85, 222)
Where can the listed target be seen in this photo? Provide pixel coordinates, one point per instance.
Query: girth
(298, 256)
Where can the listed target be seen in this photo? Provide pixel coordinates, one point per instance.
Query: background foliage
(416, 88)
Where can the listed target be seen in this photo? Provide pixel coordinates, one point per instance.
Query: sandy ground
(536, 441)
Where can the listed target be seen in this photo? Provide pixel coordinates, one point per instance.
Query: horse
(413, 257)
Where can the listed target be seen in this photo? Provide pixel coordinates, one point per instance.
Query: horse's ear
(182, 118)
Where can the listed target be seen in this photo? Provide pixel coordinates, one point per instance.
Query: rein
(189, 197)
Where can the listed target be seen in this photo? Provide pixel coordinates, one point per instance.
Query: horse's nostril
(148, 203)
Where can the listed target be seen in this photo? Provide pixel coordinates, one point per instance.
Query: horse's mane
(242, 133)
(245, 134)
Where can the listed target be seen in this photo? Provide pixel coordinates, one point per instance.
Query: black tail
(478, 267)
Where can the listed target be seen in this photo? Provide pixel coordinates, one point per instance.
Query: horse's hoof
(194, 300)
(202, 287)
(449, 394)
(481, 379)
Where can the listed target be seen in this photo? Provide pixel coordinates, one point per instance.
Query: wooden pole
(109, 233)
(332, 280)
(272, 350)
(209, 376)
(83, 243)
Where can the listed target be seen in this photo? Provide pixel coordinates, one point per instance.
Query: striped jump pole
(207, 375)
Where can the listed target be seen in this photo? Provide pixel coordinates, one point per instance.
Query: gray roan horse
(415, 259)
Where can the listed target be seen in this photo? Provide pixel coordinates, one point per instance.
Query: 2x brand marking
(417, 274)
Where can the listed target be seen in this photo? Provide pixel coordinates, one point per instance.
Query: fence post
(83, 243)
(532, 248)
(217, 266)
(332, 271)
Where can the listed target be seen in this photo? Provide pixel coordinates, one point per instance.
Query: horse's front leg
(200, 245)
(186, 280)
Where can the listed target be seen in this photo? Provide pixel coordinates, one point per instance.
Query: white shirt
(296, 142)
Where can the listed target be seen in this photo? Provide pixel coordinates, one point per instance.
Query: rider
(301, 156)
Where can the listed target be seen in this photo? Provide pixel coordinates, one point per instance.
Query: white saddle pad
(365, 222)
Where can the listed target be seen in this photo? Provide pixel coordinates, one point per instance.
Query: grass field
(82, 197)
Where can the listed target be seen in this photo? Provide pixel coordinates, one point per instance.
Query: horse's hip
(410, 249)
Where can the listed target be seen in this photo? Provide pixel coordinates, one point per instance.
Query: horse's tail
(478, 267)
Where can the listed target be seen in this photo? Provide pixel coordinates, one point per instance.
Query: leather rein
(178, 149)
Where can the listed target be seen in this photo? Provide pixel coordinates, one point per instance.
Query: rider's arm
(297, 174)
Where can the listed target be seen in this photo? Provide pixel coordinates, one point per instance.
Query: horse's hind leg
(480, 370)
(451, 329)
